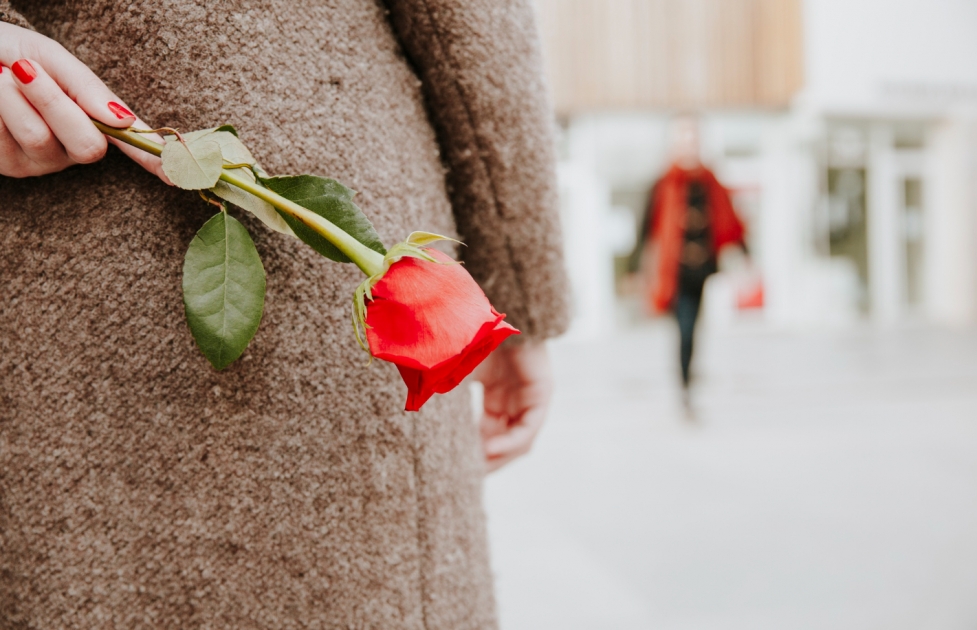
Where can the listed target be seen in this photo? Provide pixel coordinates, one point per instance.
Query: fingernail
(120, 110)
(24, 71)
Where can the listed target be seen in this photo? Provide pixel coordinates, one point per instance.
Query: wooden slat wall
(630, 54)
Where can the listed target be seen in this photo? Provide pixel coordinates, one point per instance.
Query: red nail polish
(120, 111)
(24, 71)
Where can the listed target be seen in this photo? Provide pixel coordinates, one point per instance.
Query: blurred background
(825, 475)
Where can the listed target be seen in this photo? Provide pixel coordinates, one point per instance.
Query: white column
(886, 245)
(780, 233)
(950, 215)
(585, 202)
(786, 244)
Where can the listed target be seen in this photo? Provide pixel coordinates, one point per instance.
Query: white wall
(889, 55)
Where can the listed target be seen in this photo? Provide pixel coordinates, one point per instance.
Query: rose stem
(369, 261)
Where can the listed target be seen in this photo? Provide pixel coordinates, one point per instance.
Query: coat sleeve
(8, 15)
(480, 66)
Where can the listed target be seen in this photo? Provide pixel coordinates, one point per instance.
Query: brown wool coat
(139, 488)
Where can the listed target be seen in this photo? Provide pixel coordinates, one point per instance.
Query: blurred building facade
(847, 132)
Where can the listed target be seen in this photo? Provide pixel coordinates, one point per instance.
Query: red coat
(667, 207)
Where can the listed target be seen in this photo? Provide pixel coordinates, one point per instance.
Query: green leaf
(260, 208)
(192, 135)
(330, 200)
(195, 165)
(232, 149)
(223, 289)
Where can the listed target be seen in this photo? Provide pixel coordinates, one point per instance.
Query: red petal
(434, 322)
(422, 384)
(415, 397)
(424, 313)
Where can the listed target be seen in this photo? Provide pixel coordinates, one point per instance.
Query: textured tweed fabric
(139, 488)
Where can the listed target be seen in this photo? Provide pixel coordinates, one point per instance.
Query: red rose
(433, 322)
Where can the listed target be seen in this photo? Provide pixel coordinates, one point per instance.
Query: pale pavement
(829, 481)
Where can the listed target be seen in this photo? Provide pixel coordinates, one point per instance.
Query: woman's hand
(518, 381)
(46, 98)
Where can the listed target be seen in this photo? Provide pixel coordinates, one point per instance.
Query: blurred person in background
(688, 220)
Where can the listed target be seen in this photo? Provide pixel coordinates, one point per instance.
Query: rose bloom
(433, 322)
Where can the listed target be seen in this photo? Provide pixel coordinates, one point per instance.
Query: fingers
(518, 385)
(82, 142)
(75, 82)
(515, 440)
(519, 437)
(37, 150)
(78, 81)
(494, 463)
(13, 162)
(47, 131)
(63, 93)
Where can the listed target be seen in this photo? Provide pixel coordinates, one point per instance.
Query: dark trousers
(687, 304)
